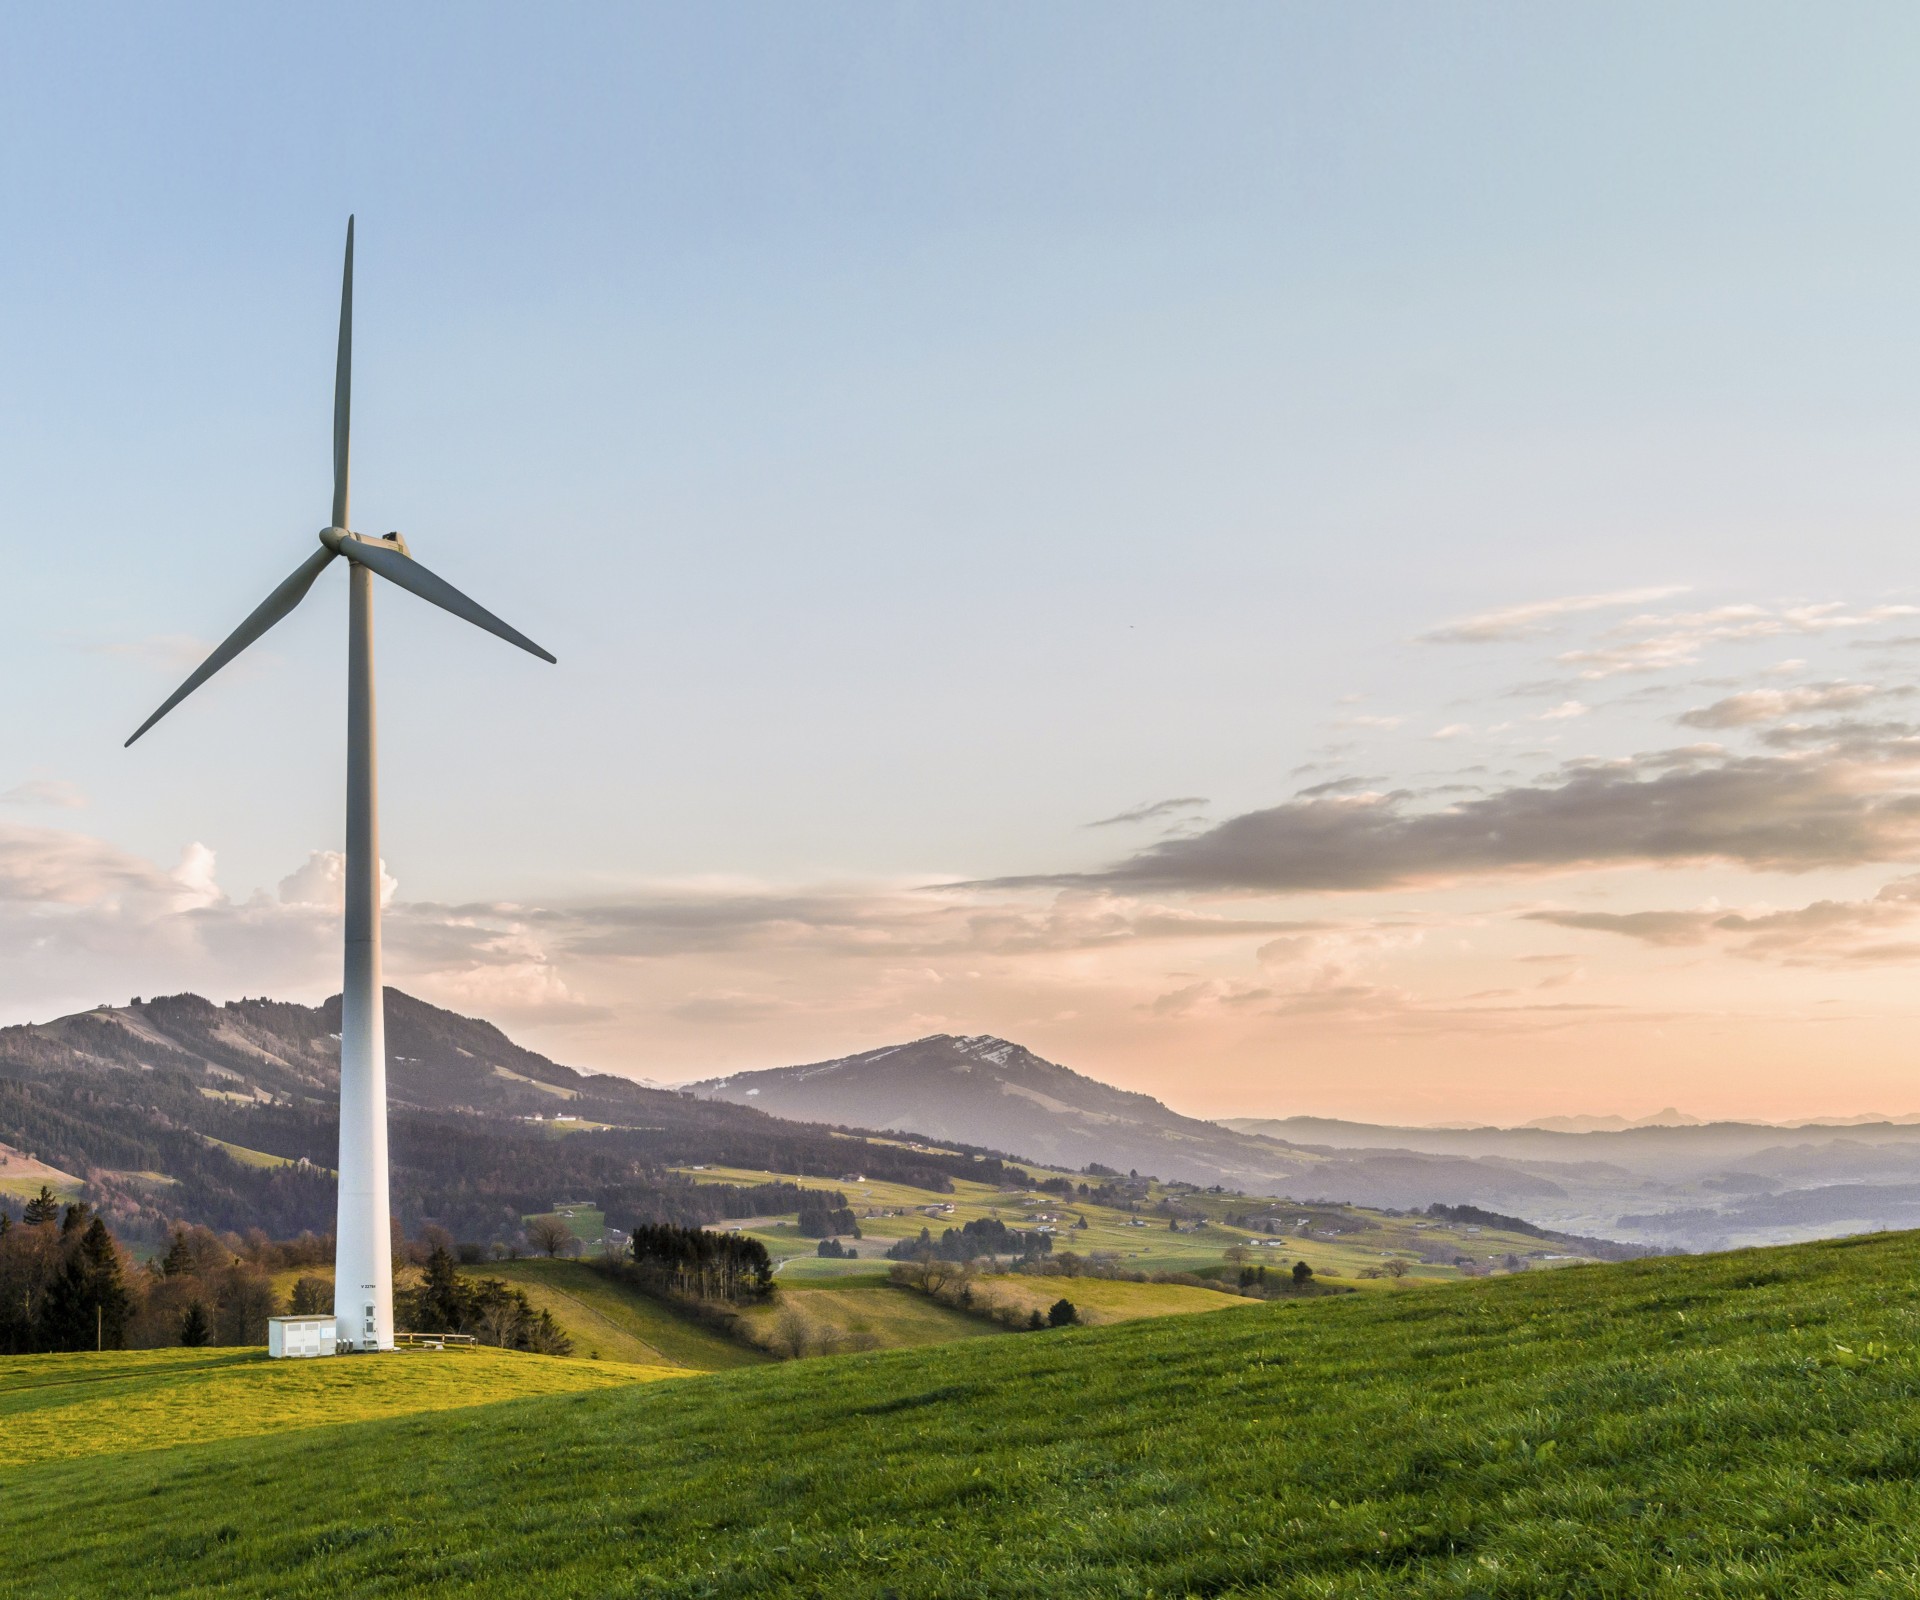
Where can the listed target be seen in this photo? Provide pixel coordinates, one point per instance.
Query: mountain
(178, 1109)
(991, 1092)
(1669, 1118)
(1703, 1185)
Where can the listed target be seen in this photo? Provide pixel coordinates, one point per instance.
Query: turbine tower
(363, 1259)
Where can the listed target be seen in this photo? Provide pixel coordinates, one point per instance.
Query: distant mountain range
(1668, 1179)
(181, 1108)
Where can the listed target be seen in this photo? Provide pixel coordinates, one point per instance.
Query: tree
(1036, 1322)
(244, 1301)
(439, 1306)
(1061, 1314)
(195, 1330)
(551, 1235)
(1236, 1255)
(312, 1297)
(1302, 1274)
(87, 1305)
(43, 1207)
(1394, 1267)
(544, 1337)
(179, 1258)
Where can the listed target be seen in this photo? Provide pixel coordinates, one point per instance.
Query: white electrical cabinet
(300, 1336)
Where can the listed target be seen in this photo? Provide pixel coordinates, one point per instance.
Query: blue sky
(924, 431)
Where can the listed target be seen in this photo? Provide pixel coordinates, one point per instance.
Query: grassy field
(608, 1321)
(1140, 1242)
(1734, 1427)
(1100, 1300)
(251, 1158)
(53, 1407)
(875, 1314)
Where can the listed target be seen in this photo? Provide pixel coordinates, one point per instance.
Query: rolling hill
(1740, 1425)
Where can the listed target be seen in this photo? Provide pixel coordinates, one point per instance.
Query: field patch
(868, 1315)
(1102, 1300)
(63, 1406)
(613, 1321)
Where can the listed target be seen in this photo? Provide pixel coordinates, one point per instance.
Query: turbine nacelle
(341, 540)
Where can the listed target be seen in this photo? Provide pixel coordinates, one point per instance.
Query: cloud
(1651, 927)
(1824, 932)
(944, 921)
(1539, 616)
(56, 792)
(1655, 643)
(322, 881)
(1791, 812)
(1756, 706)
(1564, 712)
(1152, 811)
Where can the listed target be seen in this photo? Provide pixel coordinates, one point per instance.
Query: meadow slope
(1743, 1425)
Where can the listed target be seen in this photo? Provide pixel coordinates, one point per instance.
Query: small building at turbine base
(300, 1336)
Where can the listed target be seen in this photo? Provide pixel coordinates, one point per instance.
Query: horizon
(1375, 590)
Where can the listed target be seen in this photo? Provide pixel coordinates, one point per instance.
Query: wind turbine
(363, 1258)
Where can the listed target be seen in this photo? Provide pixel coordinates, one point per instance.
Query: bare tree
(551, 1236)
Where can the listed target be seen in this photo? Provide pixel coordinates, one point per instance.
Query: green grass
(138, 1400)
(251, 1158)
(1151, 1246)
(1103, 1300)
(870, 1307)
(609, 1321)
(589, 1223)
(1737, 1426)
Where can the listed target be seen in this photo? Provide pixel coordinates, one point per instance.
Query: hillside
(1739, 1425)
(179, 1109)
(984, 1091)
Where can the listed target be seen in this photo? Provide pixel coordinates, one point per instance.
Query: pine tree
(1061, 1314)
(87, 1302)
(179, 1261)
(43, 1207)
(440, 1306)
(195, 1330)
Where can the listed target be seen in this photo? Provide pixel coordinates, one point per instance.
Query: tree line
(984, 1236)
(66, 1283)
(694, 1264)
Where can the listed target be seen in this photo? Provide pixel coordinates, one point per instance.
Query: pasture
(1731, 1426)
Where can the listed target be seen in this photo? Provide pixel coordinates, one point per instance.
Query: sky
(1344, 560)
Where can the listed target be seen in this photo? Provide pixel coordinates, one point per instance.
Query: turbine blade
(265, 615)
(395, 567)
(343, 388)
